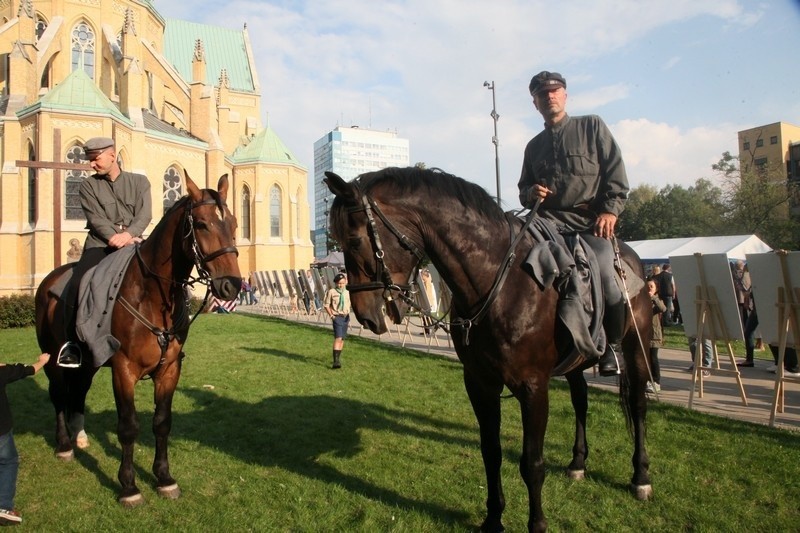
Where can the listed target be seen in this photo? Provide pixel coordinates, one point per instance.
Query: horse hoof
(642, 492)
(68, 455)
(132, 501)
(170, 492)
(82, 440)
(576, 474)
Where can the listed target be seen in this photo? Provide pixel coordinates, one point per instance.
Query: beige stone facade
(75, 69)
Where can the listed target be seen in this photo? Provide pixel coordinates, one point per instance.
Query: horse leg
(534, 404)
(80, 382)
(485, 400)
(164, 389)
(127, 431)
(59, 397)
(578, 390)
(633, 384)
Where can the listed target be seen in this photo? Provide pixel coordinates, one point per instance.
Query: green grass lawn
(267, 438)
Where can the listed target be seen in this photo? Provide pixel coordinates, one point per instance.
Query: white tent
(734, 246)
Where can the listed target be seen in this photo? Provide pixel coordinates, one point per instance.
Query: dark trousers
(90, 258)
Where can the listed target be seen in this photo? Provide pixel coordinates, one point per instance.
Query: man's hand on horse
(535, 192)
(604, 225)
(120, 240)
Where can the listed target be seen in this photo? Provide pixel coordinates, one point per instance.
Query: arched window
(297, 214)
(275, 211)
(172, 187)
(244, 218)
(41, 26)
(83, 43)
(72, 196)
(32, 189)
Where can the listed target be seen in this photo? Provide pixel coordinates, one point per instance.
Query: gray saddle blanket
(97, 296)
(569, 265)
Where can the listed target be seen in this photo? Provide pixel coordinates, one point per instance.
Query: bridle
(200, 261)
(385, 281)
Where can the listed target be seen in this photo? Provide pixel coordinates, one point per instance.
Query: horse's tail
(624, 401)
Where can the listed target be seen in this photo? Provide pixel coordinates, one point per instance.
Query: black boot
(337, 363)
(614, 323)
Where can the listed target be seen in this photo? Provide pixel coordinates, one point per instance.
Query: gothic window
(41, 26)
(172, 187)
(32, 189)
(72, 185)
(275, 211)
(83, 43)
(297, 214)
(245, 213)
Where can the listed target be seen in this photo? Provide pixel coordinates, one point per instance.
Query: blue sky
(674, 80)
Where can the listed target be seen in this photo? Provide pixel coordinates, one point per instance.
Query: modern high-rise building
(771, 144)
(349, 152)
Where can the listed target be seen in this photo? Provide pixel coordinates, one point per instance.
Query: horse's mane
(180, 205)
(435, 182)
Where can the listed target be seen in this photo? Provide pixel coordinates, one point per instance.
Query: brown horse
(504, 326)
(150, 320)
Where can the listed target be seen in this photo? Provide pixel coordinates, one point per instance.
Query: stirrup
(70, 355)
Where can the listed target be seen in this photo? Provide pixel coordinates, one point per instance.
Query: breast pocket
(583, 165)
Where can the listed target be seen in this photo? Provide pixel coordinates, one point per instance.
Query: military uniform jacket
(114, 207)
(579, 159)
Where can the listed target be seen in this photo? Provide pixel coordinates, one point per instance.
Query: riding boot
(337, 363)
(614, 324)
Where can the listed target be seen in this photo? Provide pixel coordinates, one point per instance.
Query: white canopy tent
(734, 246)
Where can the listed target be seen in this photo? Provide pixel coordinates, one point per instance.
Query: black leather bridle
(383, 280)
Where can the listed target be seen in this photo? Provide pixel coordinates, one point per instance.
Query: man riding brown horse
(117, 207)
(575, 168)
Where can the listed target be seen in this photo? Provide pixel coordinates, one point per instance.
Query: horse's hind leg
(578, 390)
(164, 389)
(633, 389)
(127, 431)
(59, 398)
(485, 401)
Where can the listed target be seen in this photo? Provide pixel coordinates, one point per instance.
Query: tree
(758, 196)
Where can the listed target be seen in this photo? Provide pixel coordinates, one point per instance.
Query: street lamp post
(495, 139)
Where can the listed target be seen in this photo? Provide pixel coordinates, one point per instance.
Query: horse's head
(210, 238)
(380, 260)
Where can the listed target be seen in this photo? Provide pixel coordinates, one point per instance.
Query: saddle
(96, 297)
(566, 263)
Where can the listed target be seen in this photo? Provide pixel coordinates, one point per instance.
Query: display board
(768, 278)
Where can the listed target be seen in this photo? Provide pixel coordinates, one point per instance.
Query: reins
(165, 336)
(369, 206)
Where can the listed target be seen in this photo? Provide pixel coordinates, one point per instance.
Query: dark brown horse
(150, 318)
(387, 221)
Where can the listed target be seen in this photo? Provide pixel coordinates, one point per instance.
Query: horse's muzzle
(226, 288)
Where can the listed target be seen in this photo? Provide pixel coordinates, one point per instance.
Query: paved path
(720, 392)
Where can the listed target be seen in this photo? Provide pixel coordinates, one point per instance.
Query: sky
(674, 80)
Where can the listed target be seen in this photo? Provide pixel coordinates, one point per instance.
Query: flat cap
(96, 144)
(546, 81)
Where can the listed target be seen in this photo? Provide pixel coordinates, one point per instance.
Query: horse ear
(339, 187)
(222, 187)
(194, 191)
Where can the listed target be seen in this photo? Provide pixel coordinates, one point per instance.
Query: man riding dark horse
(117, 206)
(575, 168)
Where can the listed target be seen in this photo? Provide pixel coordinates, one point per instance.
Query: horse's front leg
(534, 404)
(164, 383)
(485, 400)
(124, 380)
(579, 393)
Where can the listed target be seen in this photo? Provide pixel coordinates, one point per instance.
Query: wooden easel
(788, 317)
(710, 319)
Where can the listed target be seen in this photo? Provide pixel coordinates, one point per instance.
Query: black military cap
(546, 81)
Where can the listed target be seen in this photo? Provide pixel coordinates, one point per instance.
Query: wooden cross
(57, 167)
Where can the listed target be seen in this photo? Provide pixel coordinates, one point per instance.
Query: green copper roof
(266, 147)
(223, 49)
(78, 92)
